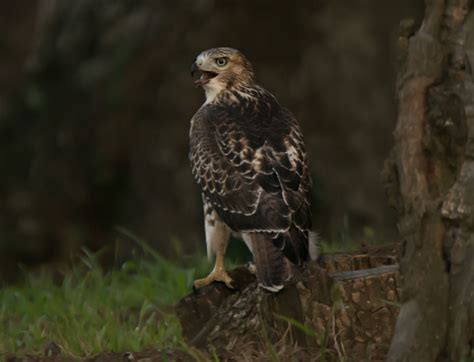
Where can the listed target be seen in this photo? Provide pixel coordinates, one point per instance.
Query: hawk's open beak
(194, 69)
(205, 77)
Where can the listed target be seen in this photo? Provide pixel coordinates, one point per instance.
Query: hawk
(248, 156)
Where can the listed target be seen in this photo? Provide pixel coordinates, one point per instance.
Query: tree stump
(343, 305)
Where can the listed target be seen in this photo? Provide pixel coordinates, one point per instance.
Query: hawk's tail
(273, 268)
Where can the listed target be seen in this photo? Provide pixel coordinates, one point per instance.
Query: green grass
(92, 311)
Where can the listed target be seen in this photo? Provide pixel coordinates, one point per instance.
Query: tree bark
(430, 181)
(346, 303)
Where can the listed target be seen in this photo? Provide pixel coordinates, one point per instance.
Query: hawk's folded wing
(253, 171)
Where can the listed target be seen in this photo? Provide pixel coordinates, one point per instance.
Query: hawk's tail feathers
(270, 263)
(314, 245)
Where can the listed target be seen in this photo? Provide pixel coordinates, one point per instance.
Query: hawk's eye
(221, 61)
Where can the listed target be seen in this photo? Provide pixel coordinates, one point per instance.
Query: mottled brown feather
(248, 156)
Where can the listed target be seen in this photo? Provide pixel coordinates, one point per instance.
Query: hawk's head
(221, 68)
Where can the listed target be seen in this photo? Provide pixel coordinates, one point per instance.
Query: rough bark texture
(347, 303)
(430, 182)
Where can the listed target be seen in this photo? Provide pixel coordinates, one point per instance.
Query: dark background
(96, 98)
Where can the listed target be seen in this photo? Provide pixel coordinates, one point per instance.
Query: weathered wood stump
(343, 305)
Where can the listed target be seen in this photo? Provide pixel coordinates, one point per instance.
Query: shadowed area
(96, 98)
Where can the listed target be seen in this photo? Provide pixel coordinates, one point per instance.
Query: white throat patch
(212, 89)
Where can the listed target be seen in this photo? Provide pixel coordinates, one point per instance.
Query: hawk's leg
(218, 274)
(217, 238)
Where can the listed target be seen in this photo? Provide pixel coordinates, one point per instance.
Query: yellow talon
(217, 275)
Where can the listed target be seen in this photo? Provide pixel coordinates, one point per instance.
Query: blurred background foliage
(96, 98)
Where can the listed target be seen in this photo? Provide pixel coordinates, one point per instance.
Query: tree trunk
(430, 182)
(345, 307)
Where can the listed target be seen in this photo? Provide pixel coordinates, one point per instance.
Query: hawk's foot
(218, 275)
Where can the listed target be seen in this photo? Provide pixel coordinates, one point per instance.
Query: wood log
(343, 305)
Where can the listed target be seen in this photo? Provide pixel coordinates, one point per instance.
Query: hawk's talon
(215, 276)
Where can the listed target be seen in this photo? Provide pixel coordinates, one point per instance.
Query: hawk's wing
(251, 165)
